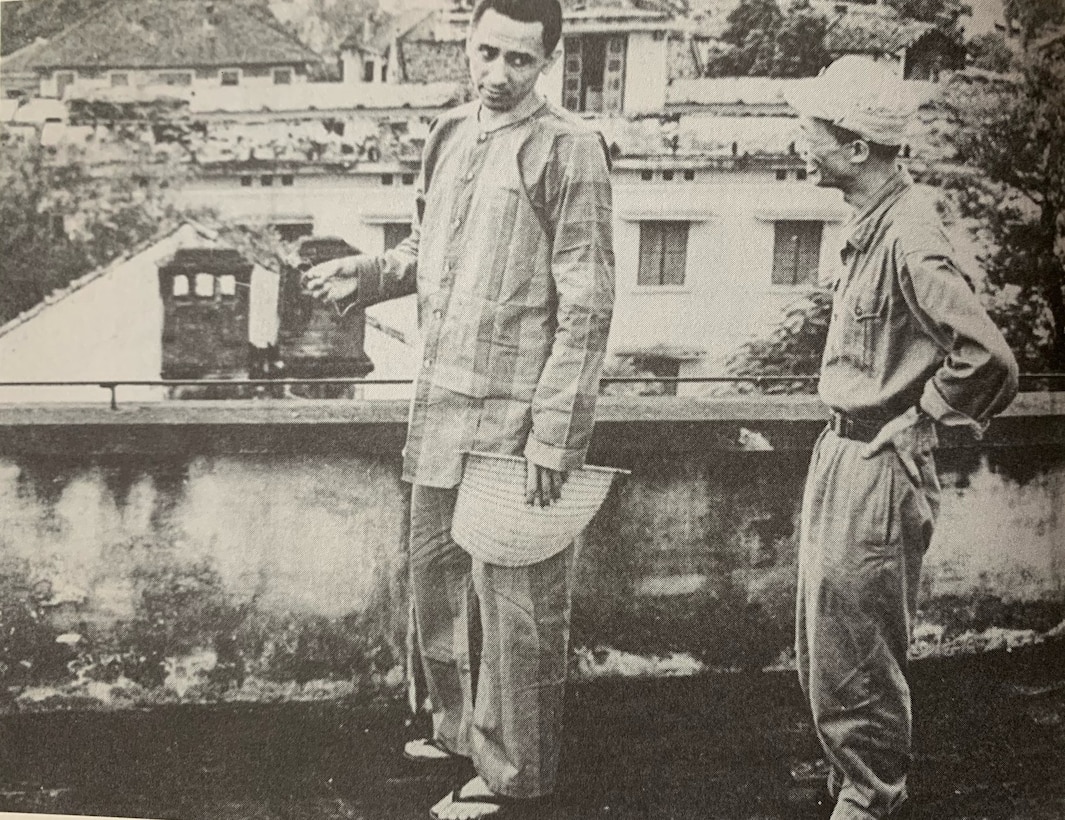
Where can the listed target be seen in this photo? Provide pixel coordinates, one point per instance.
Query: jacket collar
(868, 220)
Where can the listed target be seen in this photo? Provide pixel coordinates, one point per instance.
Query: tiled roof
(387, 27)
(298, 97)
(19, 62)
(171, 33)
(861, 33)
(427, 61)
(726, 91)
(700, 135)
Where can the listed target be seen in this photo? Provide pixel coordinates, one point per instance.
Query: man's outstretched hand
(543, 486)
(333, 281)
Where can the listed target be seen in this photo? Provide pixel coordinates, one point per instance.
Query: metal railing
(756, 381)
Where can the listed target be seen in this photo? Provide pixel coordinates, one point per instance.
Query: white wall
(111, 328)
(646, 73)
(728, 295)
(147, 78)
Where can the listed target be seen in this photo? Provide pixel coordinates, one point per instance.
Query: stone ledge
(625, 424)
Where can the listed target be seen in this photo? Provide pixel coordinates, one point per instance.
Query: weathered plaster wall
(256, 550)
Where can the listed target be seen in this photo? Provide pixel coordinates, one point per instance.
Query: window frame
(643, 285)
(813, 280)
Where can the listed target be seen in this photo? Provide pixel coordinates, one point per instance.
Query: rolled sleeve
(978, 376)
(582, 268)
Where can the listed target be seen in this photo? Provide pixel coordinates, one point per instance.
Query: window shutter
(571, 74)
(614, 76)
(675, 252)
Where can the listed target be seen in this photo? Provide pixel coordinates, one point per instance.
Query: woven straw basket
(493, 523)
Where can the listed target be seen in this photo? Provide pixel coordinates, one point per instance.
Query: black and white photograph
(532, 409)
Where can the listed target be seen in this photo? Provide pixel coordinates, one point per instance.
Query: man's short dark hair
(546, 12)
(877, 150)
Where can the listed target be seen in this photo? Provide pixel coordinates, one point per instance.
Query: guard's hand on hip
(911, 436)
(543, 486)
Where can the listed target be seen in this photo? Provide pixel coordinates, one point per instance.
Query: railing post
(113, 387)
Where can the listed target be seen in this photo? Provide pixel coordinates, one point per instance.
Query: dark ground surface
(989, 739)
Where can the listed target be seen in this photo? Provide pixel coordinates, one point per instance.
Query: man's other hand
(543, 486)
(912, 436)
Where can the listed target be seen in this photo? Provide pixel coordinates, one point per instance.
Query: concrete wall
(646, 73)
(257, 77)
(256, 550)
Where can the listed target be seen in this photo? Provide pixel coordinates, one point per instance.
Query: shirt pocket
(858, 318)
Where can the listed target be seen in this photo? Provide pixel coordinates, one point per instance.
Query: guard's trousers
(511, 727)
(865, 527)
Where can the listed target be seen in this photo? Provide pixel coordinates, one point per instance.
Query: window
(663, 367)
(119, 78)
(408, 179)
(245, 181)
(667, 176)
(229, 76)
(800, 174)
(291, 231)
(386, 179)
(368, 71)
(204, 284)
(62, 80)
(174, 78)
(796, 252)
(180, 286)
(58, 224)
(689, 176)
(395, 232)
(266, 180)
(663, 253)
(593, 74)
(282, 76)
(647, 176)
(782, 173)
(287, 179)
(227, 284)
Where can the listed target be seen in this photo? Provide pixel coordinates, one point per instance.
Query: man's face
(826, 158)
(506, 57)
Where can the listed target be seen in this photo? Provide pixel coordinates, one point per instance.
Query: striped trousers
(506, 714)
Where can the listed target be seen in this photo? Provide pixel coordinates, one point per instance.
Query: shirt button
(438, 313)
(428, 362)
(469, 177)
(482, 137)
(447, 267)
(455, 223)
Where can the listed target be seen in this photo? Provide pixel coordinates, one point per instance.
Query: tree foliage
(766, 42)
(793, 347)
(1032, 17)
(944, 13)
(1013, 133)
(62, 218)
(989, 52)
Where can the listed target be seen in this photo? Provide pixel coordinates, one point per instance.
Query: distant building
(922, 51)
(180, 43)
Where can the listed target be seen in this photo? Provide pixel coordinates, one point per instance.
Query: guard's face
(506, 58)
(830, 163)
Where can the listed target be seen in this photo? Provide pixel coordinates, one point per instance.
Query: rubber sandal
(505, 806)
(429, 750)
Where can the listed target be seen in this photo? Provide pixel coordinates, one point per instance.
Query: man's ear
(859, 152)
(551, 58)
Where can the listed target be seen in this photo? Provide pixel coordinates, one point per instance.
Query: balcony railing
(1029, 382)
